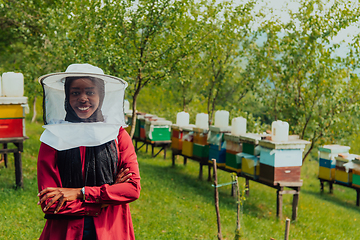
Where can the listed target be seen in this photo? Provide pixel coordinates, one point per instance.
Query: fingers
(123, 179)
(45, 197)
(62, 201)
(46, 190)
(52, 201)
(122, 172)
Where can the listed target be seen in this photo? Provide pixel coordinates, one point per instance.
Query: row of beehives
(151, 127)
(253, 155)
(337, 164)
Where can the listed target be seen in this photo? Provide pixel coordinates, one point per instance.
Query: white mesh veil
(61, 134)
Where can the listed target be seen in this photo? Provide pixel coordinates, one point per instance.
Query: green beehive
(249, 148)
(201, 151)
(137, 129)
(158, 130)
(233, 162)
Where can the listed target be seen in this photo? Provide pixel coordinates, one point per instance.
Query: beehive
(342, 174)
(218, 153)
(233, 162)
(281, 161)
(187, 149)
(327, 161)
(250, 165)
(158, 130)
(201, 151)
(177, 134)
(12, 117)
(200, 136)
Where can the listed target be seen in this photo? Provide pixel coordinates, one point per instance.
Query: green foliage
(306, 84)
(199, 56)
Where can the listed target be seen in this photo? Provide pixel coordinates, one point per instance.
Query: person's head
(83, 99)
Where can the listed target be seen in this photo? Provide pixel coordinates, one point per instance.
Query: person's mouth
(83, 108)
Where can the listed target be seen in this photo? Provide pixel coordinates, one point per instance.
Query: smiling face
(83, 97)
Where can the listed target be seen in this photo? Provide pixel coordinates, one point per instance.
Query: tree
(21, 24)
(140, 42)
(224, 55)
(307, 85)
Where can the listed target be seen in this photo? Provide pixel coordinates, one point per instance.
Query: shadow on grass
(183, 177)
(334, 198)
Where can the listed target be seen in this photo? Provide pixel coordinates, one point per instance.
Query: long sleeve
(48, 176)
(123, 192)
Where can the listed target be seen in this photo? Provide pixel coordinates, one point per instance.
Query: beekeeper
(87, 168)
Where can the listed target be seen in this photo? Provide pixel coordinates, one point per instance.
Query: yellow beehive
(176, 143)
(343, 176)
(187, 148)
(326, 173)
(11, 111)
(250, 166)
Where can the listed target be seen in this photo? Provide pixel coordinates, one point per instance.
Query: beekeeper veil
(82, 107)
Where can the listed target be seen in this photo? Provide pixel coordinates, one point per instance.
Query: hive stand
(162, 144)
(19, 148)
(331, 188)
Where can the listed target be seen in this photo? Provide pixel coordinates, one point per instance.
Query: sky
(278, 5)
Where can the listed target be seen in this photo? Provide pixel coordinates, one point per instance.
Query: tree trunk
(33, 119)
(133, 120)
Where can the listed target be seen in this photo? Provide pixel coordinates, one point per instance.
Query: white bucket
(221, 119)
(238, 126)
(12, 84)
(279, 131)
(126, 105)
(202, 120)
(182, 119)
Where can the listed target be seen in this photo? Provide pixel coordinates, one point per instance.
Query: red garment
(112, 222)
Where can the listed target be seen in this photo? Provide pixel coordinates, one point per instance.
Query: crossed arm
(63, 195)
(55, 199)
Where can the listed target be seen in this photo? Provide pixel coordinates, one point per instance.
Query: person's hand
(58, 194)
(123, 176)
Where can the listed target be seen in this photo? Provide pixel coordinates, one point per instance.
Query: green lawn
(175, 204)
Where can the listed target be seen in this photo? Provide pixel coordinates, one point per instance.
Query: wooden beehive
(12, 117)
(281, 161)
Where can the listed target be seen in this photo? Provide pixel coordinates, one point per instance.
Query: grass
(175, 204)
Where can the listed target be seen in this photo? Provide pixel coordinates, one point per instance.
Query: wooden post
(279, 201)
(217, 200)
(173, 158)
(287, 229)
(5, 155)
(18, 169)
(237, 192)
(321, 185)
(201, 170)
(295, 205)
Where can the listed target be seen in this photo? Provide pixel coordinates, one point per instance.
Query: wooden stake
(237, 192)
(287, 229)
(217, 200)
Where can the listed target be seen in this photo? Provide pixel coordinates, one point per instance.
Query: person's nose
(83, 98)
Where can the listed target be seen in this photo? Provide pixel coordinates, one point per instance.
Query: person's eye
(90, 93)
(74, 93)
